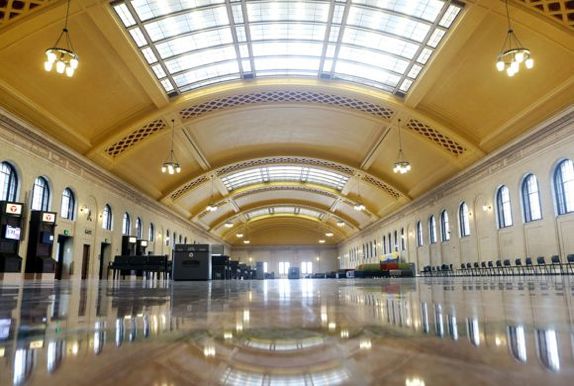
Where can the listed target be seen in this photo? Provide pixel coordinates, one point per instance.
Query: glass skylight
(279, 210)
(195, 43)
(284, 174)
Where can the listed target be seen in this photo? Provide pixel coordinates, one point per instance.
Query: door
(60, 260)
(85, 261)
(103, 258)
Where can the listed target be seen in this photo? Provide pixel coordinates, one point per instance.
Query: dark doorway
(64, 250)
(85, 261)
(105, 247)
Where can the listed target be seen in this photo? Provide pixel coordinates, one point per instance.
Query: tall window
(107, 217)
(432, 229)
(167, 238)
(531, 199)
(503, 208)
(180, 239)
(265, 267)
(403, 244)
(8, 182)
(151, 232)
(185, 240)
(444, 226)
(419, 234)
(283, 267)
(126, 224)
(564, 186)
(384, 244)
(174, 240)
(390, 242)
(139, 230)
(396, 244)
(464, 220)
(306, 267)
(41, 194)
(68, 204)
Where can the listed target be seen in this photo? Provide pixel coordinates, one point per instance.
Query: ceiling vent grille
(442, 140)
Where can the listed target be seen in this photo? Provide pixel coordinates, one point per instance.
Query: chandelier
(402, 166)
(63, 59)
(212, 206)
(513, 54)
(171, 166)
(340, 223)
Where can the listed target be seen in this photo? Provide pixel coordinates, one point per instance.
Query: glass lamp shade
(402, 167)
(340, 223)
(63, 60)
(359, 206)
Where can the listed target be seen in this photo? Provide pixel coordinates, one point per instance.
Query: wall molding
(22, 135)
(556, 129)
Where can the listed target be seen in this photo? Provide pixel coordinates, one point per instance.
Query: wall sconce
(486, 207)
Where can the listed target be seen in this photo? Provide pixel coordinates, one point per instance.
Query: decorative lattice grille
(561, 11)
(134, 137)
(286, 161)
(11, 9)
(267, 97)
(189, 186)
(381, 185)
(440, 139)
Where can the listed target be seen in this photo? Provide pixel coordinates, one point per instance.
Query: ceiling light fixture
(212, 206)
(402, 166)
(171, 166)
(65, 60)
(228, 224)
(513, 53)
(359, 206)
(321, 241)
(329, 234)
(239, 235)
(340, 223)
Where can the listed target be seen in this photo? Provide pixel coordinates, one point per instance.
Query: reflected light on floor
(414, 382)
(365, 344)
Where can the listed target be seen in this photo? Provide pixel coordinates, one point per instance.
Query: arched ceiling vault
(117, 111)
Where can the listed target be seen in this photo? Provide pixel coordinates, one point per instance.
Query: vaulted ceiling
(293, 119)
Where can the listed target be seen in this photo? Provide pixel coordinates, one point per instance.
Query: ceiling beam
(376, 148)
(195, 150)
(101, 14)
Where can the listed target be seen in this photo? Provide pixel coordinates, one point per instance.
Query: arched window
(167, 238)
(420, 241)
(174, 240)
(8, 182)
(396, 244)
(126, 224)
(464, 220)
(139, 229)
(180, 239)
(68, 204)
(185, 240)
(107, 218)
(444, 226)
(503, 208)
(41, 194)
(390, 242)
(403, 246)
(151, 233)
(432, 229)
(564, 186)
(531, 199)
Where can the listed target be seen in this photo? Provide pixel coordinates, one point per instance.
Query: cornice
(556, 129)
(88, 170)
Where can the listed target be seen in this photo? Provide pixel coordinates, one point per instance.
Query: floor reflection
(409, 332)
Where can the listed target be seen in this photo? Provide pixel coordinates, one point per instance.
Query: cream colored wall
(63, 168)
(294, 254)
(537, 152)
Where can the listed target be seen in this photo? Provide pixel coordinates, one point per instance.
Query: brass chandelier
(62, 58)
(513, 54)
(171, 166)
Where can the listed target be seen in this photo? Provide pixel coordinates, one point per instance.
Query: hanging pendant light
(171, 166)
(63, 59)
(513, 54)
(212, 206)
(359, 206)
(246, 240)
(402, 166)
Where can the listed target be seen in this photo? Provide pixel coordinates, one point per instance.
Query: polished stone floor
(412, 332)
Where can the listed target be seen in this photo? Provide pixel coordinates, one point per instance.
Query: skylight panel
(376, 43)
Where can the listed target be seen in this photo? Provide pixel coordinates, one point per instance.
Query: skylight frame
(282, 210)
(285, 173)
(232, 26)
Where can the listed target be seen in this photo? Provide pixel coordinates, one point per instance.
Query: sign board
(132, 240)
(143, 243)
(14, 209)
(49, 217)
(12, 233)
